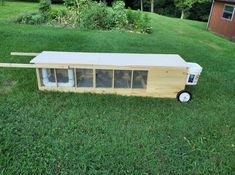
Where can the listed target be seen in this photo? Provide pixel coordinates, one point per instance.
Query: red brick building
(222, 18)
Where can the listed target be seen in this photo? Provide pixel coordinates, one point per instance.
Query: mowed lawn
(69, 133)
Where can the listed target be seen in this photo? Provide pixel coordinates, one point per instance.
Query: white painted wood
(109, 59)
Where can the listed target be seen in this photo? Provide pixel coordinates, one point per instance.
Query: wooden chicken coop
(154, 75)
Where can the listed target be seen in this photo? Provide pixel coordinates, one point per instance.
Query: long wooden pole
(23, 54)
(17, 65)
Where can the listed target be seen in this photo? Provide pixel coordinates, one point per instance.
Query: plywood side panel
(160, 80)
(130, 92)
(161, 83)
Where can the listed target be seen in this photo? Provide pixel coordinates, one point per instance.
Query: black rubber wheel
(184, 96)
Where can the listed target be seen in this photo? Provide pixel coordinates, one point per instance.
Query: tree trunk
(152, 6)
(182, 14)
(141, 5)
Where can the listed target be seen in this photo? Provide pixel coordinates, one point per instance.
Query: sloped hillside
(68, 133)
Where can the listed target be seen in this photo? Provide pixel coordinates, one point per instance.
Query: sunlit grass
(69, 133)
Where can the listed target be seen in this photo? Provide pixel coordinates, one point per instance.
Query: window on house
(84, 77)
(228, 12)
(140, 79)
(122, 79)
(104, 78)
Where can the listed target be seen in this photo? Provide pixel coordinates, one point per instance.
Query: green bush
(96, 16)
(71, 3)
(145, 24)
(90, 15)
(44, 6)
(119, 14)
(138, 21)
(31, 18)
(36, 17)
(24, 0)
(53, 14)
(133, 19)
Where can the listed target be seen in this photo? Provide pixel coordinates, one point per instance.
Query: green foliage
(71, 3)
(31, 18)
(184, 4)
(200, 11)
(146, 24)
(36, 18)
(96, 16)
(119, 14)
(137, 21)
(36, 1)
(90, 15)
(133, 18)
(81, 133)
(44, 6)
(55, 13)
(166, 8)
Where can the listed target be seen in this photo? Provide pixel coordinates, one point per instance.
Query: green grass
(68, 133)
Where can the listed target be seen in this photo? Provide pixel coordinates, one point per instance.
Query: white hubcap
(184, 97)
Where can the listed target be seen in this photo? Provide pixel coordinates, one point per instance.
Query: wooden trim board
(166, 93)
(23, 54)
(21, 65)
(16, 65)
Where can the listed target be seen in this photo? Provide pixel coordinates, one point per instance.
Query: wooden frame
(162, 81)
(161, 89)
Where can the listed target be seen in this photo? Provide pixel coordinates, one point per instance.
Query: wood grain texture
(160, 83)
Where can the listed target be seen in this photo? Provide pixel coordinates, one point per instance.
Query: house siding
(219, 25)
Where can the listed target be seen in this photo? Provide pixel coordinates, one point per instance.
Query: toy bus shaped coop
(154, 75)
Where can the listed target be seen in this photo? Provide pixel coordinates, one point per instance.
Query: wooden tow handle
(23, 54)
(20, 65)
(16, 65)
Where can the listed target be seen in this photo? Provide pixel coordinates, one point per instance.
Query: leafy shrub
(44, 6)
(145, 24)
(119, 14)
(31, 18)
(137, 21)
(56, 13)
(68, 18)
(71, 3)
(133, 19)
(96, 16)
(90, 15)
(23, 0)
(36, 17)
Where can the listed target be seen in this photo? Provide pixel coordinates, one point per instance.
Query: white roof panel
(111, 59)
